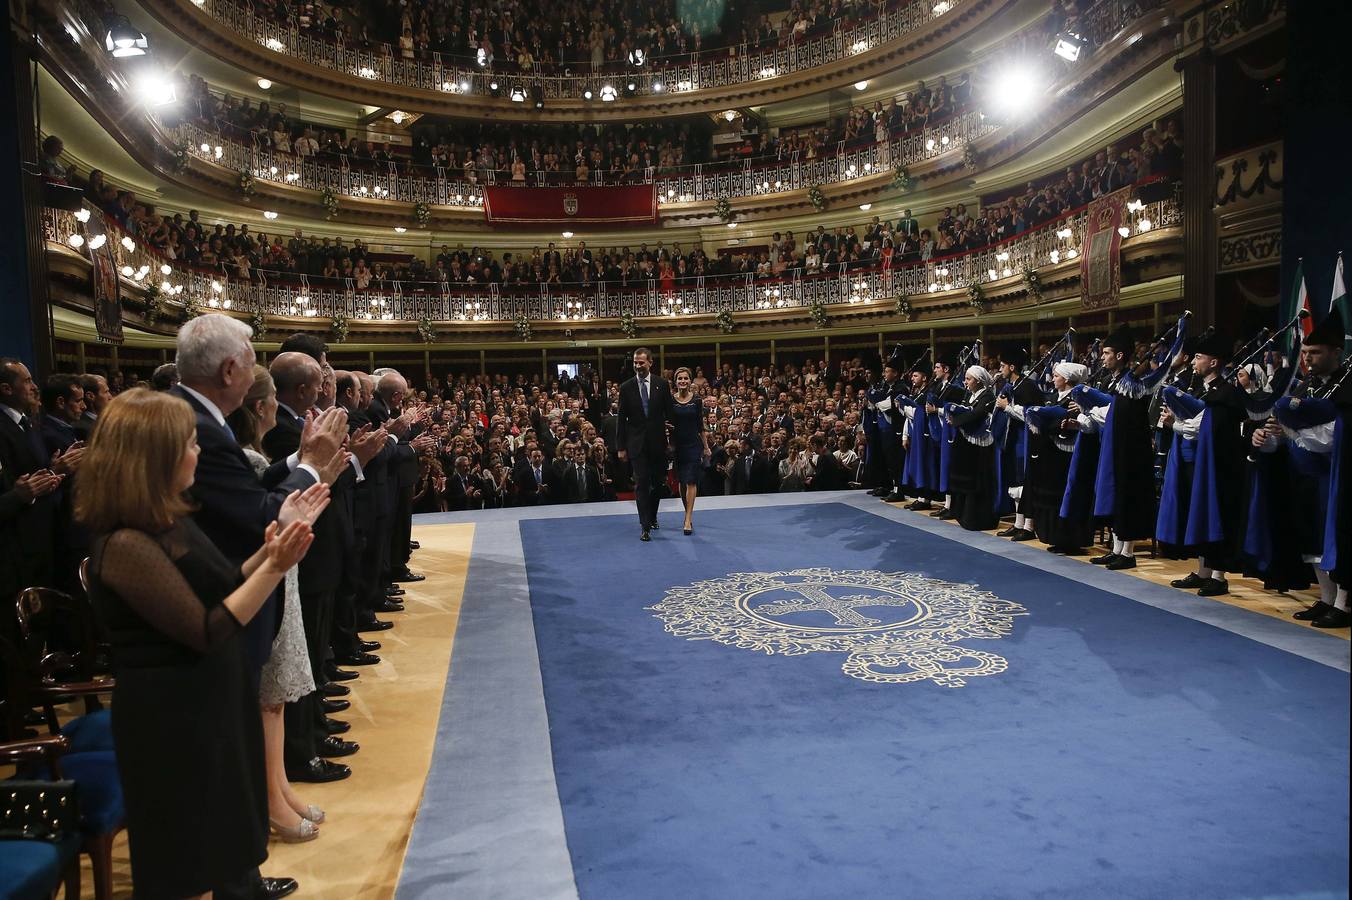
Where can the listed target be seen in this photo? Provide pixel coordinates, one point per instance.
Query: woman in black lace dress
(186, 727)
(691, 441)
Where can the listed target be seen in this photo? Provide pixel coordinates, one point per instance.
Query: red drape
(582, 205)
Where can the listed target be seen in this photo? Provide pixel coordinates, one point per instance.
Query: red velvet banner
(1101, 253)
(583, 205)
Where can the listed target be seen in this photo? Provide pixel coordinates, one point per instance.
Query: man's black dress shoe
(336, 674)
(414, 545)
(406, 575)
(368, 646)
(276, 888)
(329, 689)
(333, 706)
(388, 606)
(919, 505)
(1213, 587)
(645, 536)
(333, 746)
(945, 514)
(336, 726)
(319, 771)
(1104, 559)
(357, 659)
(894, 497)
(1022, 534)
(394, 590)
(1314, 612)
(654, 526)
(1191, 582)
(374, 625)
(1122, 562)
(1008, 532)
(1334, 618)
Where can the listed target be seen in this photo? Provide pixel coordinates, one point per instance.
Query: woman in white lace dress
(286, 677)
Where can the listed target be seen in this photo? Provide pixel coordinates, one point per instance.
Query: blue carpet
(1125, 752)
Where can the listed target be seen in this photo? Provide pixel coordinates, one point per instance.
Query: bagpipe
(1145, 361)
(978, 432)
(1040, 371)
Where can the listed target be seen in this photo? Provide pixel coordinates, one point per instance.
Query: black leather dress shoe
(394, 590)
(319, 771)
(357, 659)
(333, 706)
(919, 505)
(945, 515)
(275, 888)
(388, 606)
(414, 545)
(1122, 562)
(1104, 559)
(1190, 583)
(1334, 618)
(894, 497)
(1022, 534)
(1008, 532)
(645, 536)
(336, 726)
(1213, 587)
(655, 527)
(330, 689)
(336, 674)
(374, 625)
(368, 646)
(406, 575)
(334, 746)
(1314, 612)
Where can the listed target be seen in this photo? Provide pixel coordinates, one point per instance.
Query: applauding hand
(286, 546)
(322, 435)
(304, 506)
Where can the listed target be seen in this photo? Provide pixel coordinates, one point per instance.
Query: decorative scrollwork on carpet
(896, 627)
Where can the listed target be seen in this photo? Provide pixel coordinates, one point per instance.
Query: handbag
(38, 810)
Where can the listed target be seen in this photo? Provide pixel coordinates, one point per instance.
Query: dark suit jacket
(528, 489)
(579, 492)
(85, 426)
(830, 474)
(56, 434)
(760, 480)
(644, 436)
(32, 534)
(235, 507)
(456, 498)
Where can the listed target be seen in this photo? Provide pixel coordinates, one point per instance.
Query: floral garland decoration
(259, 323)
(627, 325)
(1034, 283)
(816, 198)
(426, 330)
(422, 214)
(330, 201)
(904, 307)
(902, 180)
(180, 158)
(339, 327)
(970, 159)
(976, 297)
(246, 184)
(191, 308)
(523, 327)
(725, 322)
(723, 209)
(818, 312)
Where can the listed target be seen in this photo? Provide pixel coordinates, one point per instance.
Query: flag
(1298, 299)
(1338, 299)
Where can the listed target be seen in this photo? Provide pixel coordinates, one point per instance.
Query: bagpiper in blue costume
(1058, 451)
(1019, 392)
(891, 423)
(920, 474)
(972, 477)
(943, 390)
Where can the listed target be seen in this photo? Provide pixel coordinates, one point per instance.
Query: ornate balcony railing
(446, 187)
(300, 296)
(715, 68)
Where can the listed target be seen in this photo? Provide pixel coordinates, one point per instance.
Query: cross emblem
(816, 599)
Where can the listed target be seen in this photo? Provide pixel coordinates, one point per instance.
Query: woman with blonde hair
(286, 676)
(186, 728)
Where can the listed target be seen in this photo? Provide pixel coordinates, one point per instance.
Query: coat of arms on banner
(1101, 259)
(570, 204)
(895, 627)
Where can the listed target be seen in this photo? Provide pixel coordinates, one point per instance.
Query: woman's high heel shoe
(304, 831)
(690, 530)
(313, 813)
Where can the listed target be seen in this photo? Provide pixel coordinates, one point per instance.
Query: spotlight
(156, 89)
(630, 87)
(637, 58)
(1068, 45)
(265, 84)
(1014, 91)
(607, 93)
(861, 85)
(494, 87)
(122, 40)
(481, 57)
(587, 93)
(658, 87)
(537, 95)
(518, 95)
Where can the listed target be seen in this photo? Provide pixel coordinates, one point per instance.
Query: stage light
(205, 148)
(122, 40)
(126, 271)
(1135, 206)
(587, 93)
(1014, 90)
(272, 170)
(607, 93)
(1063, 233)
(97, 241)
(630, 88)
(76, 241)
(494, 87)
(265, 84)
(1068, 45)
(658, 87)
(861, 85)
(481, 57)
(1055, 256)
(537, 95)
(518, 95)
(464, 85)
(156, 89)
(1123, 230)
(637, 58)
(929, 144)
(218, 151)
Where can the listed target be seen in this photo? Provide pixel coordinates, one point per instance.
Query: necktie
(582, 481)
(748, 466)
(643, 393)
(539, 479)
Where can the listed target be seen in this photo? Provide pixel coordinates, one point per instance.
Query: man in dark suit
(462, 488)
(357, 598)
(63, 404)
(386, 408)
(234, 507)
(748, 470)
(534, 480)
(641, 433)
(23, 454)
(97, 396)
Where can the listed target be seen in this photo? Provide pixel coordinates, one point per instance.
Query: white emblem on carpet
(896, 627)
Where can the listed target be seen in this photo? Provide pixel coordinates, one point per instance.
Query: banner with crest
(106, 287)
(1101, 253)
(581, 205)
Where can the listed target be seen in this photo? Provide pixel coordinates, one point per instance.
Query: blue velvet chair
(33, 868)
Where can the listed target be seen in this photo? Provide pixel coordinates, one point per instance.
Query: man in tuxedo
(24, 455)
(462, 488)
(748, 470)
(215, 361)
(97, 396)
(534, 479)
(386, 408)
(63, 405)
(641, 433)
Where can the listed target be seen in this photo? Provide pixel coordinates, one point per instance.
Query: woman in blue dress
(692, 443)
